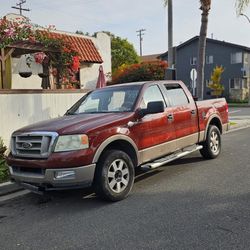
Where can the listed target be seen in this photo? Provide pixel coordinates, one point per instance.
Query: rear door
(185, 117)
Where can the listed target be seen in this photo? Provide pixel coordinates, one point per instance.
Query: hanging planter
(43, 75)
(25, 74)
(24, 66)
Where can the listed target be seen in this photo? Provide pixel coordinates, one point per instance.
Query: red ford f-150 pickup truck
(111, 131)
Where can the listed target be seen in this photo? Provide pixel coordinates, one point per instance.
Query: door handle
(193, 112)
(170, 117)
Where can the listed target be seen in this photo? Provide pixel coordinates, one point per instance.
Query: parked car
(111, 131)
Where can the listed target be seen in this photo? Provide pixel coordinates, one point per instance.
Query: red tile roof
(84, 46)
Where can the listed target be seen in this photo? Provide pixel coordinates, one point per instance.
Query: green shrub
(4, 171)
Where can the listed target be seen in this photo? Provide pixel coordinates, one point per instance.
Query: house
(92, 52)
(233, 57)
(150, 58)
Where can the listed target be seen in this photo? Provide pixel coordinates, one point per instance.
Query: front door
(158, 138)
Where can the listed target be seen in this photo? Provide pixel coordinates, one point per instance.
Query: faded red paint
(149, 131)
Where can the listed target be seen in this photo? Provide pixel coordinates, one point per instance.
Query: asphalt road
(189, 204)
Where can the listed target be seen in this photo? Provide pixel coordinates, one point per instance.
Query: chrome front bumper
(79, 176)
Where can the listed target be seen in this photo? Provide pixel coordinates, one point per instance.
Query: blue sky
(123, 18)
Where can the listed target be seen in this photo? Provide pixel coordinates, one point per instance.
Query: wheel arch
(119, 142)
(216, 121)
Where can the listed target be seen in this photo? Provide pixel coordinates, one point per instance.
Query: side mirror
(155, 107)
(152, 108)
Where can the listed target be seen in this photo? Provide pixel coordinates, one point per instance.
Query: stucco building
(93, 52)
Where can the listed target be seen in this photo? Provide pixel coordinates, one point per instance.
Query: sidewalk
(239, 122)
(236, 122)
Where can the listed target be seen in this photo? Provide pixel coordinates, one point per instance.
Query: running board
(162, 161)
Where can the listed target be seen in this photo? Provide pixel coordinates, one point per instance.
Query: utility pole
(20, 7)
(140, 34)
(248, 77)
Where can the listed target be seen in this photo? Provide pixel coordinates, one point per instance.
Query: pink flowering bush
(39, 57)
(64, 59)
(11, 32)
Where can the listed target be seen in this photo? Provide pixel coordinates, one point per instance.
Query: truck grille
(32, 145)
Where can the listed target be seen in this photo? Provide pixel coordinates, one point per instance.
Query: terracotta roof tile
(84, 46)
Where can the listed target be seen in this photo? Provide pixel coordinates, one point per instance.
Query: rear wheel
(212, 145)
(114, 175)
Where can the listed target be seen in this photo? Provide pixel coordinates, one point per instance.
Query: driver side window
(152, 94)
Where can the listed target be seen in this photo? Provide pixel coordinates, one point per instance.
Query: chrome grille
(33, 145)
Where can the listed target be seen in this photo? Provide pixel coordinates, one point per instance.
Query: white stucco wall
(18, 110)
(89, 74)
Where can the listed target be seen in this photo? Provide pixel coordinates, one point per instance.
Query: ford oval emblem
(27, 145)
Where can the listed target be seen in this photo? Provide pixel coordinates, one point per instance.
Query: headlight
(71, 142)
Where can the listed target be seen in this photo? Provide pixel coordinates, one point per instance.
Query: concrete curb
(9, 188)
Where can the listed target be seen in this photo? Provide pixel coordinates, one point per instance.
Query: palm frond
(241, 5)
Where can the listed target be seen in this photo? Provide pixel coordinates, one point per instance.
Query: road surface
(189, 204)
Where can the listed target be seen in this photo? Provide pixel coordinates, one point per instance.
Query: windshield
(107, 100)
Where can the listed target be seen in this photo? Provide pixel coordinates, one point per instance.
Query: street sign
(193, 74)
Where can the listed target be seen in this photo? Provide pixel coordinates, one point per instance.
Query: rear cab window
(176, 95)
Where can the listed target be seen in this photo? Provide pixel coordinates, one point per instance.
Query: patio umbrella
(101, 82)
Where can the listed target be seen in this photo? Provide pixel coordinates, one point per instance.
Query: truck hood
(73, 124)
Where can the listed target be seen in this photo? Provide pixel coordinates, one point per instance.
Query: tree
(241, 5)
(205, 8)
(79, 32)
(169, 4)
(122, 52)
(215, 81)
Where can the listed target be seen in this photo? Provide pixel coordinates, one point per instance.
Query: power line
(140, 34)
(20, 6)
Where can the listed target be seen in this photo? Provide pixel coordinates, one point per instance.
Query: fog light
(65, 175)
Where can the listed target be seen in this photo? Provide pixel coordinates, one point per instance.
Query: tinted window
(176, 95)
(151, 94)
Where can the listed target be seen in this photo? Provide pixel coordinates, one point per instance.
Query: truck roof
(144, 82)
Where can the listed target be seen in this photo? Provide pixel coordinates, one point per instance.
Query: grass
(238, 104)
(232, 123)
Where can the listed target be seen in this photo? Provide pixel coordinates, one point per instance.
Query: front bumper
(83, 176)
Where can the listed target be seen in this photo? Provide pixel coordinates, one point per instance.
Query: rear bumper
(62, 178)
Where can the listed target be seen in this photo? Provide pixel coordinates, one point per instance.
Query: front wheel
(114, 175)
(212, 145)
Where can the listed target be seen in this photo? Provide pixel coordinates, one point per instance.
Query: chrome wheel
(212, 145)
(118, 176)
(214, 142)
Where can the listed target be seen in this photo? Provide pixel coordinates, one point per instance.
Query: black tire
(212, 145)
(114, 176)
